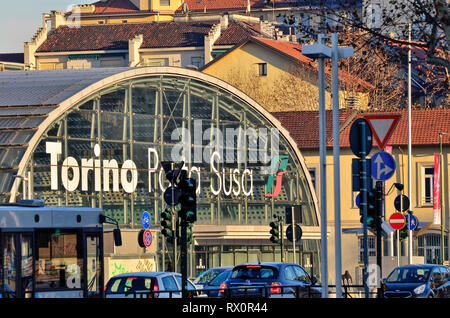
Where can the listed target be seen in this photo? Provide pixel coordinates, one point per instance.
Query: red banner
(437, 189)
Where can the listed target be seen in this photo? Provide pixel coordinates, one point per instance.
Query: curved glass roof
(127, 112)
(41, 88)
(26, 99)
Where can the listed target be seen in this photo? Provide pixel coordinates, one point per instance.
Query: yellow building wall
(155, 5)
(350, 218)
(128, 19)
(287, 86)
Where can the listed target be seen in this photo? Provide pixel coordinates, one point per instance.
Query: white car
(147, 285)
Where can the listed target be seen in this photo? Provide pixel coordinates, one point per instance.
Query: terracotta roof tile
(425, 127)
(200, 5)
(156, 35)
(238, 32)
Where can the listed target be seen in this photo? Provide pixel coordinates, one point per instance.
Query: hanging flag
(437, 189)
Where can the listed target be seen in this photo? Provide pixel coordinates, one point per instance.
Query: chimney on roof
(212, 37)
(57, 19)
(134, 45)
(224, 20)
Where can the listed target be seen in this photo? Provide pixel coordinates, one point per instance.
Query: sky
(20, 19)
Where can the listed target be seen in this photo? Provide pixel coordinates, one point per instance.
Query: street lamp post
(322, 51)
(441, 134)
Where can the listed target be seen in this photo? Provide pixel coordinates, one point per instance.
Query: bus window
(59, 259)
(94, 265)
(9, 266)
(27, 264)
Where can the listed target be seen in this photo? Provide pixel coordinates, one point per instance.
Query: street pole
(321, 52)
(336, 155)
(364, 182)
(280, 222)
(183, 257)
(379, 191)
(293, 235)
(399, 254)
(440, 196)
(410, 249)
(323, 173)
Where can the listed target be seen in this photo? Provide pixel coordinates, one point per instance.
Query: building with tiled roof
(426, 127)
(140, 44)
(277, 75)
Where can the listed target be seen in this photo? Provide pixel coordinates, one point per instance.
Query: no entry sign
(397, 221)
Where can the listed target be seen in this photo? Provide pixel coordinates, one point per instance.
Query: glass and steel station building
(97, 138)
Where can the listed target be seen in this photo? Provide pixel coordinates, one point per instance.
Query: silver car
(148, 285)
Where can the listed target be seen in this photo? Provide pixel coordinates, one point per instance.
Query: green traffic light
(167, 232)
(274, 239)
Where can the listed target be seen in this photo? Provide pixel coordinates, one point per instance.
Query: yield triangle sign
(382, 126)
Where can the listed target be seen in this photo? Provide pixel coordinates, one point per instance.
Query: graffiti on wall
(122, 266)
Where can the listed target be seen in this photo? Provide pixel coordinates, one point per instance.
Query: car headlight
(420, 289)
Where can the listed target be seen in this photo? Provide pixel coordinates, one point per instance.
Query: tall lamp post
(322, 51)
(441, 134)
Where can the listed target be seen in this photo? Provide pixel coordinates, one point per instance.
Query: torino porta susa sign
(108, 175)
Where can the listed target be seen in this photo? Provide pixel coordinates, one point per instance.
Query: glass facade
(106, 152)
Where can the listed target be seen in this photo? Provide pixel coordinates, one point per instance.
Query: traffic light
(188, 198)
(275, 238)
(403, 233)
(371, 209)
(166, 223)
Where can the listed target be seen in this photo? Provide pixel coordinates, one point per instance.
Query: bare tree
(392, 20)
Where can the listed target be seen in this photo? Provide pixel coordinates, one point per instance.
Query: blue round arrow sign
(411, 221)
(146, 220)
(382, 166)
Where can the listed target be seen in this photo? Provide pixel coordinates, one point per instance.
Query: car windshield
(219, 279)
(129, 284)
(409, 275)
(254, 272)
(207, 276)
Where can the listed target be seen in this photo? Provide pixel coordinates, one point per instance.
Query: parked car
(147, 284)
(213, 288)
(418, 281)
(208, 275)
(270, 279)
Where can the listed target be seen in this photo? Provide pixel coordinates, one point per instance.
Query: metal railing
(285, 291)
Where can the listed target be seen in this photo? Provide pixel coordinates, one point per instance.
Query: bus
(51, 252)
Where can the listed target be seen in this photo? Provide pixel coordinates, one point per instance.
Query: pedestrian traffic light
(188, 198)
(275, 238)
(166, 223)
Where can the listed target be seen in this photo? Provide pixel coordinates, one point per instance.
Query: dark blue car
(206, 277)
(418, 281)
(215, 287)
(271, 280)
